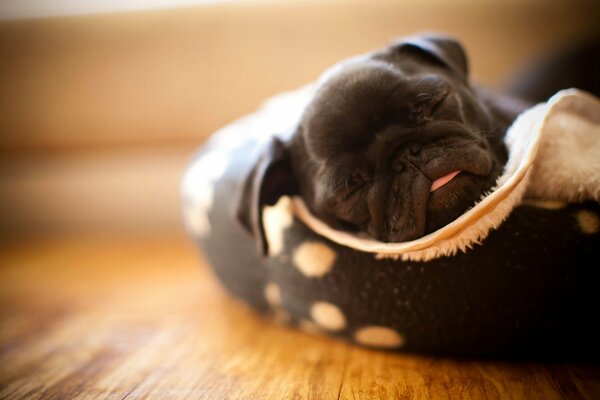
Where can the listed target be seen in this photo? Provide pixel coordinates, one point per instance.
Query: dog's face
(395, 144)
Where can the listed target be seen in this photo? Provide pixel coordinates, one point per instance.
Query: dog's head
(395, 144)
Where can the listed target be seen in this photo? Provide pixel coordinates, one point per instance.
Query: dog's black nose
(398, 206)
(375, 202)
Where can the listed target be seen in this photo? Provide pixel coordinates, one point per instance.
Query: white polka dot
(195, 212)
(276, 219)
(588, 221)
(314, 259)
(546, 204)
(198, 191)
(328, 316)
(207, 169)
(379, 336)
(273, 294)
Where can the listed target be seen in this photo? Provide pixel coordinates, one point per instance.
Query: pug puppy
(394, 145)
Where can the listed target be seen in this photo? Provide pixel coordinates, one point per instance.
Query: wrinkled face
(396, 145)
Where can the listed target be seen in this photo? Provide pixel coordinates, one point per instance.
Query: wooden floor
(122, 318)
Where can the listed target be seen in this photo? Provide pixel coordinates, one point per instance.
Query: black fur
(378, 132)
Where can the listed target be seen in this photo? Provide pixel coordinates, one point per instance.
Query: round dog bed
(516, 275)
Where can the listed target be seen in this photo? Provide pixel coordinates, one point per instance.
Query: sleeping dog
(393, 145)
(390, 146)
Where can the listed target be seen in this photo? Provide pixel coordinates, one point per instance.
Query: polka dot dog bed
(516, 275)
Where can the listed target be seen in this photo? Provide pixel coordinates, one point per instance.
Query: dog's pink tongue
(439, 182)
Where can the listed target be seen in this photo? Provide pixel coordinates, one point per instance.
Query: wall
(100, 113)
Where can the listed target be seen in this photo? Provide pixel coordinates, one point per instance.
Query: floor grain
(143, 318)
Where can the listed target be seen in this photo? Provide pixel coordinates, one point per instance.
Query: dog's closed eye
(432, 93)
(348, 184)
(347, 198)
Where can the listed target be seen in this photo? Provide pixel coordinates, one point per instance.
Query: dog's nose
(398, 206)
(376, 206)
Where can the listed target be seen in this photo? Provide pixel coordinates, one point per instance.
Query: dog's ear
(443, 49)
(270, 178)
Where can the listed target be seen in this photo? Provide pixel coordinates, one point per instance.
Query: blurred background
(102, 103)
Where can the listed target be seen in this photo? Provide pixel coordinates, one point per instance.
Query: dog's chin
(453, 199)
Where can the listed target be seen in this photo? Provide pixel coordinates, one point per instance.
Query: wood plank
(143, 318)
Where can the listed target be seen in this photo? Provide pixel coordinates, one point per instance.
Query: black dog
(395, 144)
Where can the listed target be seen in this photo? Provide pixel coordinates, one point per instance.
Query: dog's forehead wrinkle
(424, 96)
(461, 108)
(429, 83)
